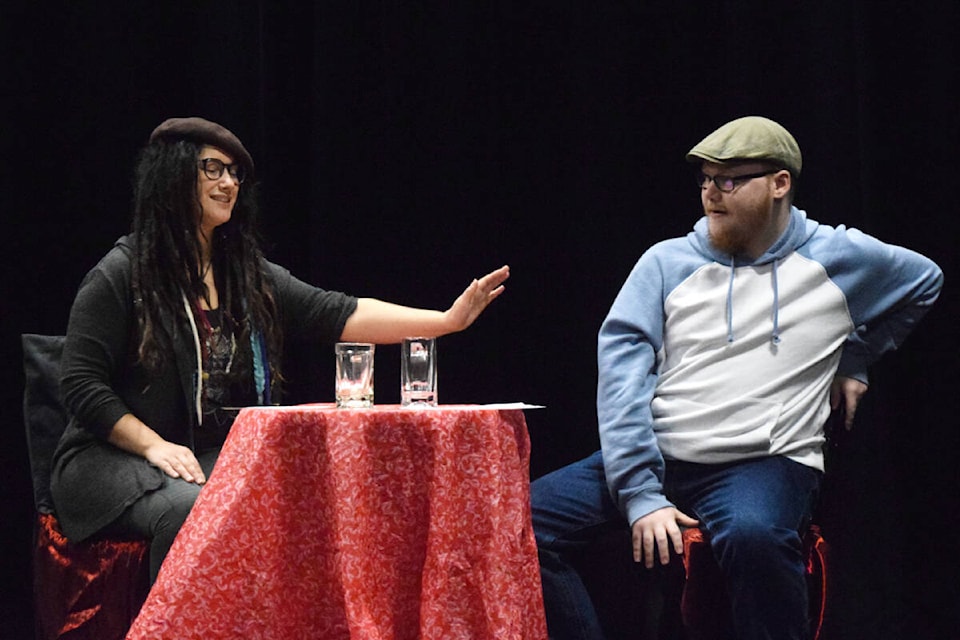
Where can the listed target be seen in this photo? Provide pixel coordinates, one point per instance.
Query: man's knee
(755, 540)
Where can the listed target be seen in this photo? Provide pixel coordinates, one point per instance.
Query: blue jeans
(754, 512)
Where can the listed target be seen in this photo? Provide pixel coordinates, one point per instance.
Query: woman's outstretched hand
(475, 298)
(387, 323)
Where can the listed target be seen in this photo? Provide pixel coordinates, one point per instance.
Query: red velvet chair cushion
(704, 605)
(87, 591)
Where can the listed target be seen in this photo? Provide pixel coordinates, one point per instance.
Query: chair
(704, 607)
(88, 590)
(685, 600)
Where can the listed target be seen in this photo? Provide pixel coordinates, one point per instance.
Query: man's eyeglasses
(213, 169)
(726, 184)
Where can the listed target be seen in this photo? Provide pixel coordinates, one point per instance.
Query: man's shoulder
(680, 246)
(673, 255)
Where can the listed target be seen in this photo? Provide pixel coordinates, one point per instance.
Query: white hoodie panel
(744, 407)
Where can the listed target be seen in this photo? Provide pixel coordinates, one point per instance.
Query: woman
(182, 318)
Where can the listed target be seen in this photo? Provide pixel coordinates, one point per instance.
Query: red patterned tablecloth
(381, 524)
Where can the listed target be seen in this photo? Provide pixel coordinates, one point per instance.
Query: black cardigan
(92, 480)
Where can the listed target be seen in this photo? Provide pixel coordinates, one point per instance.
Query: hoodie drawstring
(198, 396)
(733, 266)
(775, 336)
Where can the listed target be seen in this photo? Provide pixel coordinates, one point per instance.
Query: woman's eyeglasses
(214, 168)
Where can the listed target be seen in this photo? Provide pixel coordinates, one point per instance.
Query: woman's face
(217, 195)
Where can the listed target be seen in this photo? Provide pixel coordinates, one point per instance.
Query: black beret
(204, 132)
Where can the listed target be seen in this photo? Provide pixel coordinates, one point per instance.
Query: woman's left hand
(475, 298)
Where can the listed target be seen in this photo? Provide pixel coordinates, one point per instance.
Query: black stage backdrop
(405, 148)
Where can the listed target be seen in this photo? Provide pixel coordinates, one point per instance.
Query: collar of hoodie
(797, 232)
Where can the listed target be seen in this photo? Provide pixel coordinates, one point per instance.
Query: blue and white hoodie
(709, 358)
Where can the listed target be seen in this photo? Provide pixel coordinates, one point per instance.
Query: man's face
(742, 220)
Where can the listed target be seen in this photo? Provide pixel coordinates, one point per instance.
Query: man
(719, 363)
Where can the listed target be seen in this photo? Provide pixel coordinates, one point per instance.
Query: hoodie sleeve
(888, 290)
(629, 340)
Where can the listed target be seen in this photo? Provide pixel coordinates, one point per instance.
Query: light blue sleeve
(629, 340)
(888, 290)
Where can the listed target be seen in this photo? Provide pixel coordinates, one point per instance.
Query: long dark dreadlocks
(167, 258)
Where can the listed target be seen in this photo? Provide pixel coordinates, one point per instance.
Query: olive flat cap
(204, 132)
(749, 138)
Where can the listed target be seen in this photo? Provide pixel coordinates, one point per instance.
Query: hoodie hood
(799, 230)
